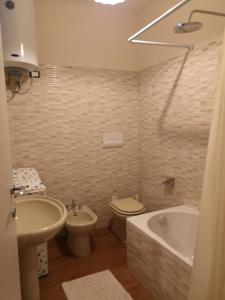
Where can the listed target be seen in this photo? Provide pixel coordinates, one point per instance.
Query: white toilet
(122, 209)
(79, 226)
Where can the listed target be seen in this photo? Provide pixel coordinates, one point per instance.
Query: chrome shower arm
(133, 39)
(208, 12)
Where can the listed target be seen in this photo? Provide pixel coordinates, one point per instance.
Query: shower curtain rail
(154, 43)
(133, 39)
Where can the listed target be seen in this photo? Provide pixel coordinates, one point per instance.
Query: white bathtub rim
(141, 222)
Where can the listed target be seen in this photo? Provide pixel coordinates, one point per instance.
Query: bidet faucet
(75, 206)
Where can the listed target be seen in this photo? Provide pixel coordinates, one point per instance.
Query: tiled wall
(162, 274)
(58, 126)
(164, 113)
(175, 113)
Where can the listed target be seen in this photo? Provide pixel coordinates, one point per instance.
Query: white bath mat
(98, 286)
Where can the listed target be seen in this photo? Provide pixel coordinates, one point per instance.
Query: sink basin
(38, 220)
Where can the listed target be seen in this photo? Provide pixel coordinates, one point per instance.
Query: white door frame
(9, 266)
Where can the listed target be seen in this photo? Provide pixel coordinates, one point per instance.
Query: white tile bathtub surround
(163, 275)
(177, 232)
(58, 127)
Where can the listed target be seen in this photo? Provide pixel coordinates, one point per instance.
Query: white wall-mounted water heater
(18, 33)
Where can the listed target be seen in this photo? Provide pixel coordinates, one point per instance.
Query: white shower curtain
(208, 275)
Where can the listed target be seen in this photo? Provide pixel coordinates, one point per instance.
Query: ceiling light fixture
(111, 2)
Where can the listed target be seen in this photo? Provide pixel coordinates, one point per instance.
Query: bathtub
(160, 248)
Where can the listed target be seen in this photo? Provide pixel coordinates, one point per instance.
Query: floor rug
(98, 286)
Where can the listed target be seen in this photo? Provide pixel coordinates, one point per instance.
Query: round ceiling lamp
(111, 2)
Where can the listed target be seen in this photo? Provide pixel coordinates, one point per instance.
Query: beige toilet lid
(127, 205)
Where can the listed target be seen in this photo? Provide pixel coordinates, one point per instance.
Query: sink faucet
(17, 191)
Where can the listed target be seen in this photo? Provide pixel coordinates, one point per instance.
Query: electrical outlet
(34, 74)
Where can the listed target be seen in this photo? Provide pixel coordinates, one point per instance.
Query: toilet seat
(127, 206)
(123, 209)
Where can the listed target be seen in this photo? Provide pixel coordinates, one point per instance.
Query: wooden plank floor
(109, 253)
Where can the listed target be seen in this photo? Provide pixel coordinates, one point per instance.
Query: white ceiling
(134, 6)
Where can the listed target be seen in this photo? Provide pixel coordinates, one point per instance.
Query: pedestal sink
(38, 220)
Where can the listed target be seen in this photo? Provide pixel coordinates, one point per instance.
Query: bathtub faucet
(170, 182)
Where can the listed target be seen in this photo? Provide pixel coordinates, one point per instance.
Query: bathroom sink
(38, 219)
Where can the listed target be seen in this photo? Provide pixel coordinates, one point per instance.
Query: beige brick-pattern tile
(58, 126)
(163, 111)
(175, 112)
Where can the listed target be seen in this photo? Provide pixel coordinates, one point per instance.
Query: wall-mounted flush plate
(113, 140)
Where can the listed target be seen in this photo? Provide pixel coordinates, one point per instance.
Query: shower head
(187, 27)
